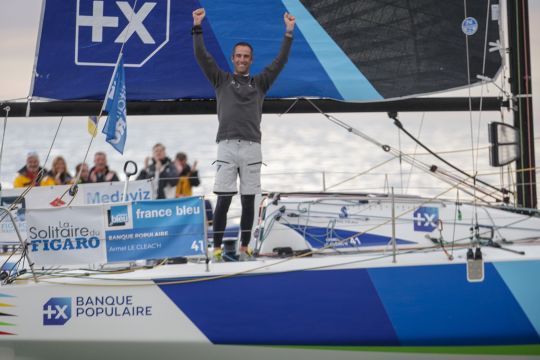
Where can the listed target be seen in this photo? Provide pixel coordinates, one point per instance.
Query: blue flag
(115, 127)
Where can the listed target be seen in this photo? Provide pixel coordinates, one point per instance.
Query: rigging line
(400, 125)
(389, 149)
(53, 141)
(465, 183)
(517, 84)
(444, 176)
(474, 218)
(527, 76)
(6, 109)
(2, 102)
(360, 174)
(400, 161)
(438, 173)
(393, 151)
(484, 57)
(345, 125)
(414, 153)
(517, 171)
(452, 151)
(457, 216)
(290, 107)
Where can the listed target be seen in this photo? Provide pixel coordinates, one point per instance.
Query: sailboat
(344, 275)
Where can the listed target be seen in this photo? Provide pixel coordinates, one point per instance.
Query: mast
(521, 84)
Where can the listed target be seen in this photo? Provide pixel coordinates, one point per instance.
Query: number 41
(197, 245)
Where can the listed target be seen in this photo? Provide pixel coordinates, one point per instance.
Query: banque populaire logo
(57, 311)
(426, 219)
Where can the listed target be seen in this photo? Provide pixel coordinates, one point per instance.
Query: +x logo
(426, 219)
(57, 311)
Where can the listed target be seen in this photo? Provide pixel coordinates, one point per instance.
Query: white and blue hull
(354, 303)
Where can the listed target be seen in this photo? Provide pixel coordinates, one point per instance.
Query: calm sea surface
(301, 152)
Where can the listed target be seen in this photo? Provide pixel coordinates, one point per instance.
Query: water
(301, 152)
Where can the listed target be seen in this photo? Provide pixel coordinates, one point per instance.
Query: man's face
(242, 59)
(100, 161)
(32, 163)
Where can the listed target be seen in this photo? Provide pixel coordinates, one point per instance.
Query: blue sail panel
(343, 49)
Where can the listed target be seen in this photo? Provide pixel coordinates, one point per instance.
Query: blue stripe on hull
(528, 296)
(416, 305)
(436, 305)
(289, 308)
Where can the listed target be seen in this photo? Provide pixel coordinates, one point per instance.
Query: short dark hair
(242, 43)
(181, 156)
(79, 166)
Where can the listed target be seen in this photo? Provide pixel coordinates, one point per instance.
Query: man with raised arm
(239, 98)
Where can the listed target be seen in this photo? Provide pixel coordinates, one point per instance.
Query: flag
(115, 127)
(92, 125)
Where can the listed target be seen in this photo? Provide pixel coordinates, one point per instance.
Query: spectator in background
(161, 169)
(31, 173)
(84, 177)
(189, 176)
(58, 174)
(101, 172)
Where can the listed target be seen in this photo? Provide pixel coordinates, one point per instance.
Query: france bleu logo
(102, 26)
(57, 311)
(426, 218)
(118, 215)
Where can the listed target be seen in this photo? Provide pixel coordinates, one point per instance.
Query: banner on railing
(57, 196)
(66, 236)
(117, 232)
(155, 229)
(94, 193)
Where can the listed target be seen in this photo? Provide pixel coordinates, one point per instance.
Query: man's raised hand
(290, 20)
(198, 16)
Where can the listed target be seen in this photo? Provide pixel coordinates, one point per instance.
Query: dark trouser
(246, 221)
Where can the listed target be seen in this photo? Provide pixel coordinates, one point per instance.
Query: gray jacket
(239, 98)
